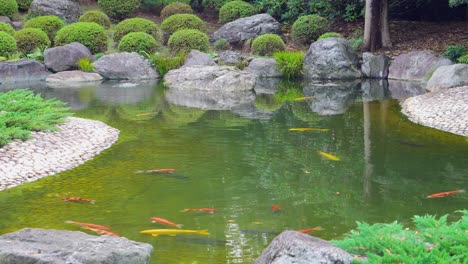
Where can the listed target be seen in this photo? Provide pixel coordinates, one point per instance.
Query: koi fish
(78, 200)
(145, 114)
(329, 156)
(157, 171)
(304, 129)
(204, 210)
(165, 222)
(174, 232)
(103, 232)
(306, 231)
(443, 194)
(84, 225)
(304, 98)
(275, 208)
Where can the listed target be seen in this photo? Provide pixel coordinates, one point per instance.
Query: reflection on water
(241, 160)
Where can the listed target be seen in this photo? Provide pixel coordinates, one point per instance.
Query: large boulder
(264, 67)
(332, 59)
(448, 76)
(64, 58)
(242, 29)
(34, 245)
(68, 10)
(210, 87)
(294, 247)
(416, 65)
(22, 71)
(67, 77)
(196, 57)
(126, 66)
(230, 58)
(375, 66)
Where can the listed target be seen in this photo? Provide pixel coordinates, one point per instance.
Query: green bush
(28, 39)
(182, 21)
(8, 8)
(138, 42)
(186, 40)
(24, 4)
(167, 62)
(306, 29)
(176, 8)
(222, 44)
(49, 24)
(290, 63)
(213, 4)
(463, 59)
(90, 34)
(234, 10)
(119, 9)
(97, 17)
(7, 44)
(267, 44)
(5, 27)
(150, 6)
(85, 64)
(136, 25)
(330, 35)
(454, 51)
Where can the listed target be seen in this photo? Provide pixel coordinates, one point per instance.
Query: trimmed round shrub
(24, 4)
(90, 34)
(49, 24)
(213, 4)
(185, 40)
(137, 42)
(8, 8)
(306, 29)
(182, 21)
(28, 39)
(267, 44)
(176, 8)
(136, 25)
(7, 44)
(234, 10)
(222, 44)
(5, 27)
(97, 17)
(119, 9)
(330, 35)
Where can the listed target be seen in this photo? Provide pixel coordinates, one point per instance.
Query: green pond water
(241, 163)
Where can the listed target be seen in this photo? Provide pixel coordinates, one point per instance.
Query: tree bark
(376, 28)
(384, 23)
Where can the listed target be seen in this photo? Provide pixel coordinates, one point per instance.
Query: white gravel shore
(47, 153)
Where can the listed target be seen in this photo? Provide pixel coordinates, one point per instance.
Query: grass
(22, 112)
(290, 63)
(85, 64)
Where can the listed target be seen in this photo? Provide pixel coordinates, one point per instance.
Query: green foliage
(175, 8)
(21, 112)
(90, 34)
(186, 40)
(454, 51)
(463, 59)
(7, 44)
(233, 10)
(306, 29)
(182, 21)
(166, 62)
(99, 55)
(267, 44)
(432, 241)
(330, 35)
(85, 64)
(5, 27)
(151, 5)
(137, 42)
(290, 63)
(119, 9)
(49, 24)
(454, 3)
(24, 4)
(8, 8)
(213, 4)
(222, 44)
(168, 2)
(357, 40)
(37, 55)
(28, 39)
(136, 25)
(97, 17)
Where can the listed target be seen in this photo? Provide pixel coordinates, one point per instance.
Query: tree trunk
(376, 29)
(385, 28)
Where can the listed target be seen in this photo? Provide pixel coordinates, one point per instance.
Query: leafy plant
(290, 63)
(175, 8)
(5, 27)
(119, 9)
(97, 17)
(136, 25)
(213, 4)
(8, 8)
(85, 64)
(222, 44)
(306, 29)
(49, 24)
(166, 62)
(463, 59)
(454, 51)
(267, 44)
(24, 4)
(182, 21)
(29, 39)
(7, 44)
(37, 55)
(185, 40)
(90, 34)
(138, 41)
(233, 10)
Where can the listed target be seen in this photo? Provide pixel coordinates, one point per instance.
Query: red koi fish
(89, 225)
(103, 232)
(275, 208)
(158, 171)
(78, 200)
(204, 210)
(165, 222)
(444, 194)
(306, 231)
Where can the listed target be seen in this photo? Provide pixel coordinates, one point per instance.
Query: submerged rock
(448, 76)
(68, 10)
(416, 65)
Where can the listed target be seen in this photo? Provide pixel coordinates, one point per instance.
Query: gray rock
(5, 19)
(331, 58)
(196, 57)
(448, 76)
(22, 71)
(416, 65)
(126, 66)
(210, 87)
(34, 245)
(267, 85)
(17, 25)
(73, 77)
(64, 58)
(375, 66)
(400, 89)
(242, 29)
(262, 67)
(68, 10)
(229, 58)
(294, 247)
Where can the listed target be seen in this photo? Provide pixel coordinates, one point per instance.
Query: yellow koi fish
(303, 129)
(174, 232)
(329, 156)
(304, 98)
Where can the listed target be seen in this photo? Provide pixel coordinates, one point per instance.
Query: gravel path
(77, 141)
(445, 110)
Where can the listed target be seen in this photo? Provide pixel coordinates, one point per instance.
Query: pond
(242, 162)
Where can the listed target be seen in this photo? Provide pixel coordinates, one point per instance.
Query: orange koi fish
(78, 200)
(102, 232)
(443, 194)
(164, 222)
(304, 98)
(88, 225)
(145, 114)
(157, 171)
(204, 210)
(305, 129)
(306, 231)
(328, 156)
(275, 208)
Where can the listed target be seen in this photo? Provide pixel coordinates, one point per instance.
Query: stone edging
(47, 153)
